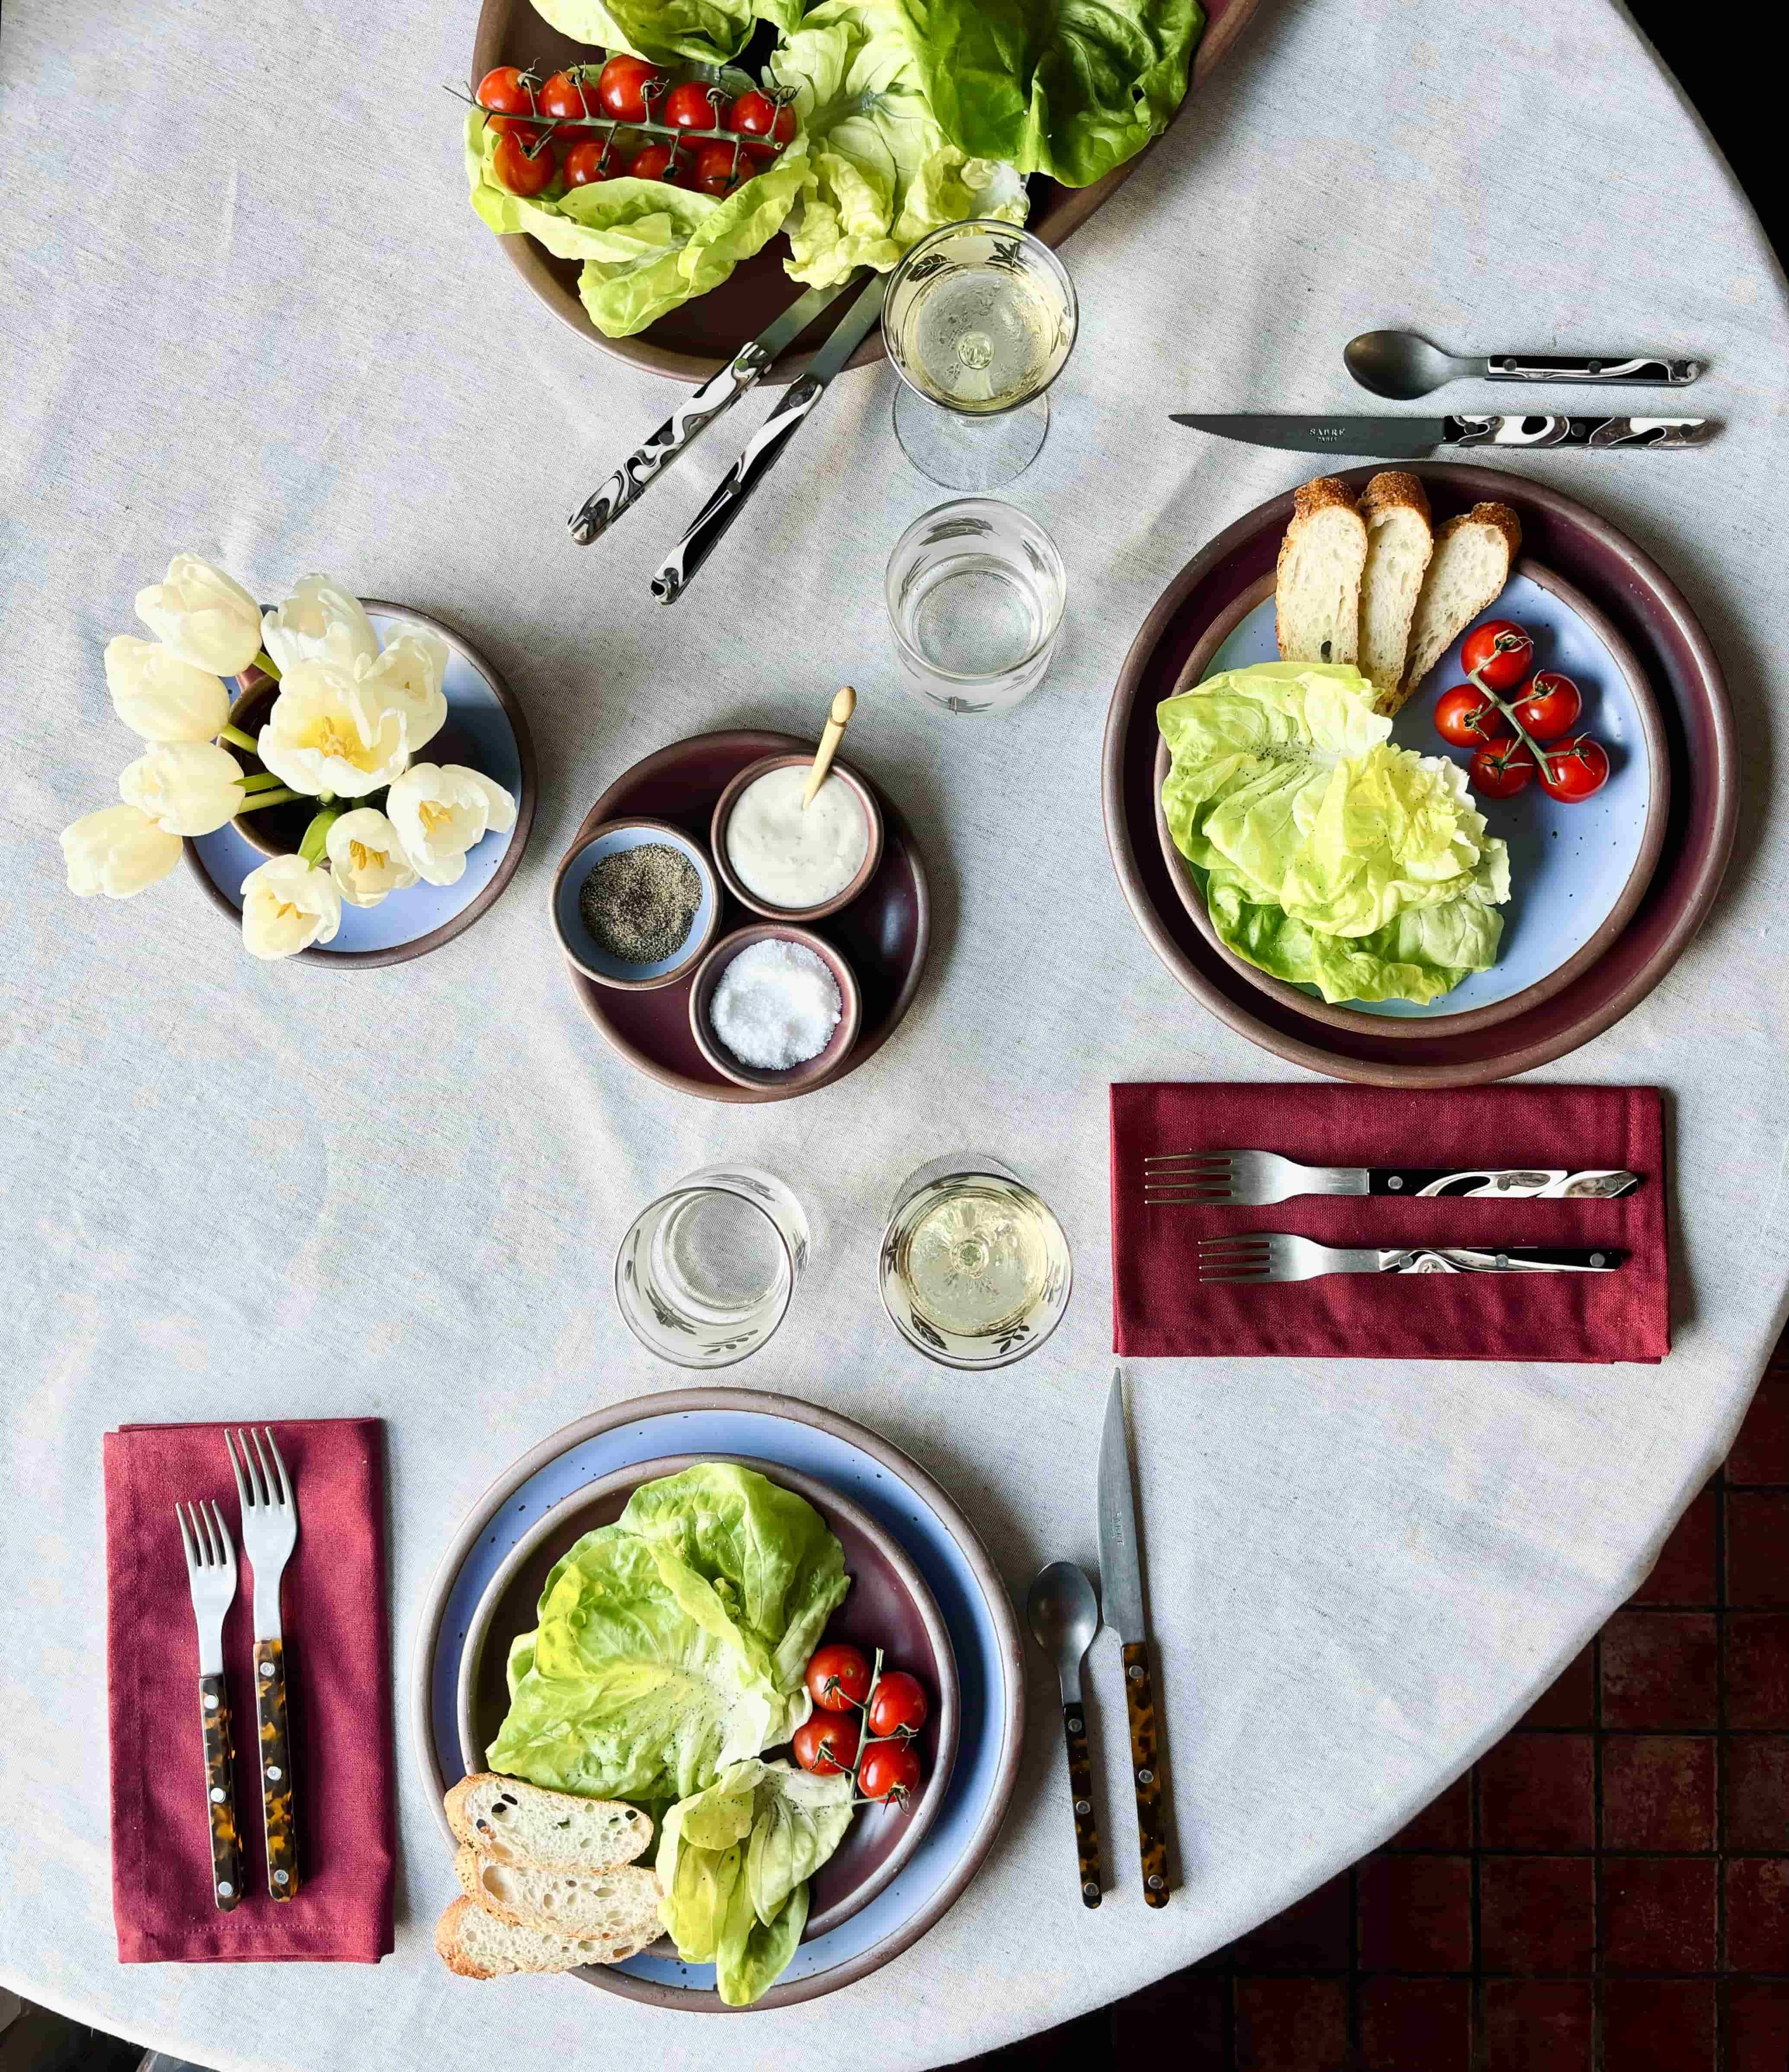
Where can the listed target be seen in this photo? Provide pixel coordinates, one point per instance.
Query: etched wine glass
(979, 319)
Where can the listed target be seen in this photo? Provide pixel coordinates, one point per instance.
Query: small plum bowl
(723, 812)
(581, 947)
(812, 1071)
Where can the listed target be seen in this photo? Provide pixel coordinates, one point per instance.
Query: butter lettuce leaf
(1333, 858)
(766, 1552)
(712, 32)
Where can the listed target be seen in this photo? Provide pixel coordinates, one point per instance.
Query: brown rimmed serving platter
(695, 341)
(1645, 609)
(889, 1606)
(883, 934)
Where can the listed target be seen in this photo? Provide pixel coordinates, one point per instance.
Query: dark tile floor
(1606, 1891)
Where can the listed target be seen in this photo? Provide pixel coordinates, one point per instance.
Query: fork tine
(226, 1547)
(242, 1494)
(1236, 1273)
(1237, 1241)
(186, 1541)
(1164, 1193)
(1189, 1158)
(252, 1467)
(273, 1473)
(214, 1550)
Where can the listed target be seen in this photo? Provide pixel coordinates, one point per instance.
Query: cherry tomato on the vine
(519, 173)
(890, 1770)
(504, 93)
(583, 166)
(687, 107)
(763, 122)
(899, 1706)
(827, 1742)
(1498, 653)
(1549, 704)
(621, 87)
(716, 173)
(658, 161)
(1502, 769)
(562, 95)
(1469, 718)
(1574, 768)
(838, 1677)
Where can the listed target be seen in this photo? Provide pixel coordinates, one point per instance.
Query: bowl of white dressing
(791, 861)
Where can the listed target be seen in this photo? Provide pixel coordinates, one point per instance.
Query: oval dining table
(252, 315)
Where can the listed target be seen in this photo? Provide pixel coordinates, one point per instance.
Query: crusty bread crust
(1326, 493)
(1392, 488)
(447, 1946)
(1506, 521)
(459, 1807)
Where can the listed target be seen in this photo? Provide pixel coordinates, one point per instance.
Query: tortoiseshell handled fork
(210, 1576)
(269, 1531)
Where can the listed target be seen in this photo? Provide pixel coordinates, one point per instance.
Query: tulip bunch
(347, 721)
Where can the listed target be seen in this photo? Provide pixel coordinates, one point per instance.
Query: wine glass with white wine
(979, 320)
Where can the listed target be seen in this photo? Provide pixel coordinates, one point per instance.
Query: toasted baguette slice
(477, 1945)
(1317, 586)
(619, 1905)
(1471, 563)
(515, 1823)
(1399, 544)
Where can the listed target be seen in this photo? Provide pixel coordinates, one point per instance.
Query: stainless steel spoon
(1064, 1615)
(1401, 365)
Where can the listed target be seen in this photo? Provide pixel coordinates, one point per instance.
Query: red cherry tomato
(582, 165)
(1550, 705)
(658, 162)
(716, 172)
(1498, 653)
(687, 107)
(564, 96)
(1502, 769)
(765, 124)
(890, 1771)
(1575, 769)
(899, 1706)
(519, 173)
(838, 1678)
(1468, 718)
(827, 1743)
(506, 92)
(622, 88)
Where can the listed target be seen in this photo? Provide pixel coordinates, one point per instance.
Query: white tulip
(118, 851)
(286, 906)
(158, 697)
(331, 731)
(186, 788)
(366, 859)
(440, 810)
(409, 673)
(320, 622)
(202, 616)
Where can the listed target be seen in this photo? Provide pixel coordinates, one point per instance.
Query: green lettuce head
(711, 31)
(1332, 858)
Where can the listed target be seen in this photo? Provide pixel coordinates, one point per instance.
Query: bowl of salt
(774, 1005)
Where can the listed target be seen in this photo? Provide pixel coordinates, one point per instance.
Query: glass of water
(975, 591)
(979, 320)
(704, 1273)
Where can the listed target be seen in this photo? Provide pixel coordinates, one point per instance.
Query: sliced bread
(477, 1945)
(1317, 586)
(1399, 544)
(514, 1823)
(1474, 555)
(619, 1907)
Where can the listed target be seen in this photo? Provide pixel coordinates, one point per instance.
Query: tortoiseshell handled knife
(1122, 1595)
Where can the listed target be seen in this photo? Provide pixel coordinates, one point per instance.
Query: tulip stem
(259, 782)
(238, 739)
(261, 798)
(266, 664)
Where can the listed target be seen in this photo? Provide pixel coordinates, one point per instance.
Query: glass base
(960, 451)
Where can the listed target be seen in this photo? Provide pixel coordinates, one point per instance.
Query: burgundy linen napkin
(337, 1643)
(1158, 1308)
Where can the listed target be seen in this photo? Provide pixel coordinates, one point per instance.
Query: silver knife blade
(1377, 439)
(1121, 1565)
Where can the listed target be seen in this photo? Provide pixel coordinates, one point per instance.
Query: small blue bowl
(582, 949)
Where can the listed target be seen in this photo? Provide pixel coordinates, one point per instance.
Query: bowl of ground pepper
(636, 905)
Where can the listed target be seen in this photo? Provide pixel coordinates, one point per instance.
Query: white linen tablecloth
(249, 312)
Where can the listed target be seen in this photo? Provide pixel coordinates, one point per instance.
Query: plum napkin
(1159, 1308)
(337, 1643)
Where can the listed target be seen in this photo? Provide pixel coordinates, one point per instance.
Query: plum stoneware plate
(1576, 872)
(889, 1606)
(882, 934)
(694, 341)
(487, 730)
(786, 1437)
(1637, 601)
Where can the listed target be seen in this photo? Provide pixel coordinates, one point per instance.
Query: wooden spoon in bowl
(837, 720)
